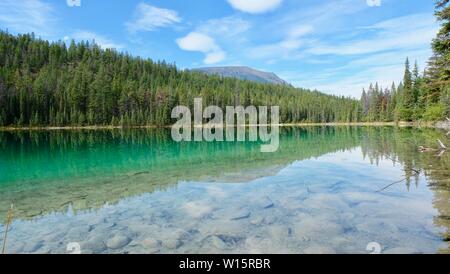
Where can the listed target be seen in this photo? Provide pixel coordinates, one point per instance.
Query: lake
(326, 190)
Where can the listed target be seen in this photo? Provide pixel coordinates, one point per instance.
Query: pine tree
(406, 110)
(47, 83)
(365, 104)
(416, 82)
(439, 65)
(441, 44)
(392, 103)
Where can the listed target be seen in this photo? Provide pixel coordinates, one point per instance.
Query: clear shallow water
(136, 191)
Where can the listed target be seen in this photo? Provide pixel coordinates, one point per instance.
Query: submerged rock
(244, 214)
(117, 242)
(152, 251)
(33, 247)
(172, 243)
(142, 229)
(218, 243)
(150, 243)
(197, 209)
(319, 250)
(279, 231)
(267, 203)
(257, 220)
(93, 245)
(401, 250)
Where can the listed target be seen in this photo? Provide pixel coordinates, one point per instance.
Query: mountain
(244, 73)
(46, 84)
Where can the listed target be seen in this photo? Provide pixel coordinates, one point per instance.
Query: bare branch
(388, 186)
(441, 144)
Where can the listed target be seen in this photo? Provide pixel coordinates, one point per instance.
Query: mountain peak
(243, 73)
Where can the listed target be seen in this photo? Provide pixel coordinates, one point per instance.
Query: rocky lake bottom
(332, 202)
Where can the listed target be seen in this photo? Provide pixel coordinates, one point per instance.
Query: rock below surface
(257, 220)
(218, 243)
(319, 250)
(172, 243)
(266, 203)
(117, 242)
(93, 245)
(401, 250)
(150, 243)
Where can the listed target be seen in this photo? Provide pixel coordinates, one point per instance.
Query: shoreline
(377, 124)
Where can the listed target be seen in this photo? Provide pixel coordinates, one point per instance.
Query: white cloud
(214, 57)
(373, 3)
(349, 79)
(255, 6)
(200, 42)
(300, 30)
(207, 35)
(353, 85)
(196, 41)
(100, 40)
(226, 26)
(293, 40)
(150, 18)
(73, 3)
(407, 32)
(321, 15)
(26, 16)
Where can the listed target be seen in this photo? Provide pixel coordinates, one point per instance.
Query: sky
(335, 46)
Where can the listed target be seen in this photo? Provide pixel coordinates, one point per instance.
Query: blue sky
(336, 46)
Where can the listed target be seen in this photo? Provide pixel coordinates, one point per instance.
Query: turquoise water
(327, 190)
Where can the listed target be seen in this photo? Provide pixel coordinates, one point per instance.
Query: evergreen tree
(439, 65)
(441, 44)
(49, 84)
(407, 95)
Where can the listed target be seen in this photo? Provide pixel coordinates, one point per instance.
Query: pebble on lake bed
(401, 250)
(150, 243)
(218, 243)
(257, 220)
(117, 242)
(172, 243)
(94, 245)
(319, 250)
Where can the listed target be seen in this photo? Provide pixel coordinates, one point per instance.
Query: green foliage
(405, 114)
(419, 97)
(434, 113)
(43, 83)
(441, 44)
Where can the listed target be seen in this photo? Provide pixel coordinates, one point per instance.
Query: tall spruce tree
(441, 44)
(43, 83)
(407, 108)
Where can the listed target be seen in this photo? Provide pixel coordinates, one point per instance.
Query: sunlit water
(327, 190)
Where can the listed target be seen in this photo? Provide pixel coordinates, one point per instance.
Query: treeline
(54, 84)
(420, 96)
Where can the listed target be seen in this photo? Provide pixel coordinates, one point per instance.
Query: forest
(421, 95)
(51, 84)
(46, 83)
